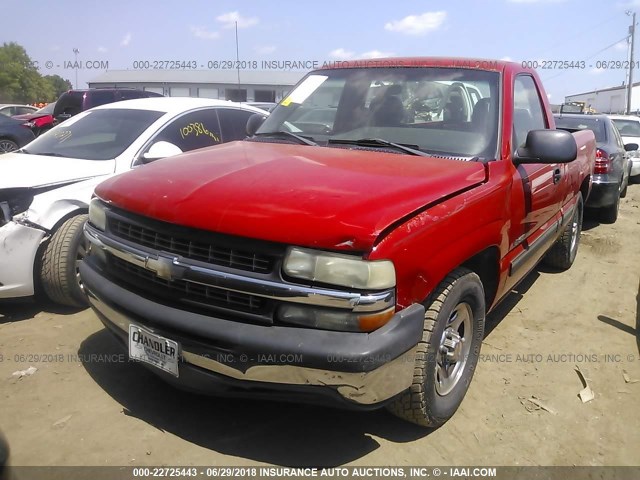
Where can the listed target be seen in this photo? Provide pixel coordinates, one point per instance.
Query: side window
(97, 97)
(191, 131)
(233, 123)
(616, 133)
(69, 104)
(527, 109)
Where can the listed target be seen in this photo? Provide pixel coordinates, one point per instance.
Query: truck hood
(20, 170)
(331, 198)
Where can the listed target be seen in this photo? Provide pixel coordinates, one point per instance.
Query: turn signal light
(369, 323)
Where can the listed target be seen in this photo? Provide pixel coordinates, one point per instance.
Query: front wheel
(448, 353)
(59, 274)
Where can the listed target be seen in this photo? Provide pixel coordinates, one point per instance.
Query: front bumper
(18, 246)
(231, 358)
(603, 194)
(635, 166)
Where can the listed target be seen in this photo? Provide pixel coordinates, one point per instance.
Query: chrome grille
(181, 290)
(201, 250)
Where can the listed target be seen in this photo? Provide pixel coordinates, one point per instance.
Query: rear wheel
(447, 355)
(623, 193)
(7, 145)
(610, 214)
(563, 252)
(60, 276)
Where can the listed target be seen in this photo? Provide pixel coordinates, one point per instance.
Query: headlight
(97, 214)
(338, 269)
(15, 206)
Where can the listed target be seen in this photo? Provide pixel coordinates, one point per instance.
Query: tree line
(20, 81)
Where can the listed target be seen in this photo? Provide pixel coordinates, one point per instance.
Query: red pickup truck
(349, 249)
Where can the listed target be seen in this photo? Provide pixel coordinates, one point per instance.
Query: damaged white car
(45, 187)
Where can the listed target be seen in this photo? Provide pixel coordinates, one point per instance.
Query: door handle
(557, 175)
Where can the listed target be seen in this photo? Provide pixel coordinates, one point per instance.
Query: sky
(125, 33)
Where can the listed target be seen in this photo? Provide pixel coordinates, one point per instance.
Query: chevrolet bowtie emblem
(165, 267)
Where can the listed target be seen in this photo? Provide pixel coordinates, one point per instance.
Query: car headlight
(97, 214)
(14, 206)
(339, 269)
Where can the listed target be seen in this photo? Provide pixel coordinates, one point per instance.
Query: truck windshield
(444, 111)
(94, 135)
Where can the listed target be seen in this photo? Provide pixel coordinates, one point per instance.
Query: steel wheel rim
(6, 146)
(454, 348)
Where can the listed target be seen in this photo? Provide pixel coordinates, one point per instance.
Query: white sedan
(629, 128)
(45, 187)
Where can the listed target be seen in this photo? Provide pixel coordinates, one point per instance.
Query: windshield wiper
(379, 142)
(281, 133)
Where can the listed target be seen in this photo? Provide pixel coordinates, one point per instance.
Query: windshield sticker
(196, 129)
(306, 88)
(62, 135)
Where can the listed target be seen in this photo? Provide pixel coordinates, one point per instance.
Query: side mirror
(547, 146)
(160, 150)
(254, 122)
(630, 147)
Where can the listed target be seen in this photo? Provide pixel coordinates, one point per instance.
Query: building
(254, 85)
(609, 100)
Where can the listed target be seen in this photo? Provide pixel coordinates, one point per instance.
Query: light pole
(632, 32)
(76, 51)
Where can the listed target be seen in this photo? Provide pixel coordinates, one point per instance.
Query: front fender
(49, 208)
(429, 246)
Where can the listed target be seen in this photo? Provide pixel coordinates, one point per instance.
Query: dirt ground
(82, 410)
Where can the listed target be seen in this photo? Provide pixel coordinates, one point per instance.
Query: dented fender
(19, 242)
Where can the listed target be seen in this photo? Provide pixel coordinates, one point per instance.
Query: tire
(563, 252)
(59, 272)
(7, 145)
(610, 214)
(623, 193)
(432, 398)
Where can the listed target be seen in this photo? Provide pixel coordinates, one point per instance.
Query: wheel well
(79, 211)
(486, 265)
